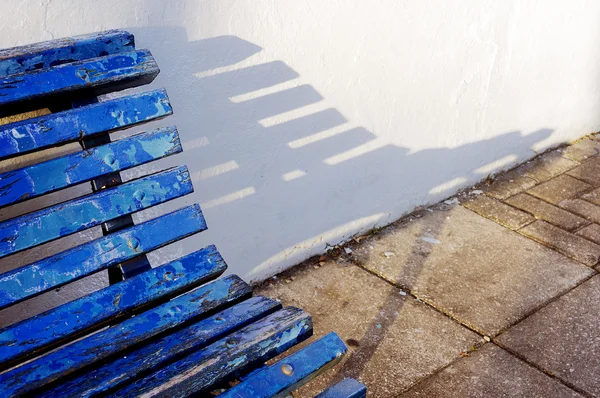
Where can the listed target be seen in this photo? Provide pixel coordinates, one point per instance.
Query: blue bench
(172, 330)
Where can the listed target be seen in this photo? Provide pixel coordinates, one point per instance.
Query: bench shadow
(281, 174)
(275, 170)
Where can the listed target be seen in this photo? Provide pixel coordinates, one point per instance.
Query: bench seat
(175, 329)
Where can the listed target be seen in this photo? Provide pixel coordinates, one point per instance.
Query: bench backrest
(60, 82)
(167, 319)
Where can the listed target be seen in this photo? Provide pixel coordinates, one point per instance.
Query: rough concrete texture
(545, 211)
(564, 337)
(471, 268)
(582, 150)
(582, 208)
(573, 246)
(490, 372)
(593, 196)
(499, 212)
(591, 232)
(508, 184)
(560, 188)
(546, 167)
(394, 340)
(588, 172)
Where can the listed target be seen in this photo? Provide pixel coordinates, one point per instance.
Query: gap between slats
(23, 92)
(52, 53)
(151, 323)
(66, 218)
(55, 174)
(75, 263)
(47, 330)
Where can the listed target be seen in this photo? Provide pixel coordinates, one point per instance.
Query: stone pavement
(496, 297)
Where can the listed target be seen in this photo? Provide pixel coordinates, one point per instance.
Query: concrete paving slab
(545, 167)
(394, 340)
(499, 212)
(570, 245)
(471, 268)
(564, 337)
(490, 372)
(582, 150)
(547, 212)
(588, 172)
(591, 232)
(507, 185)
(583, 208)
(560, 188)
(593, 196)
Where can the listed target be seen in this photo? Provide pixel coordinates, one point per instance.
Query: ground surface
(494, 297)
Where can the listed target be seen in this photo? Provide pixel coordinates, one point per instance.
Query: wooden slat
(66, 218)
(147, 358)
(100, 75)
(70, 49)
(347, 388)
(55, 271)
(58, 173)
(96, 347)
(68, 126)
(255, 343)
(291, 372)
(70, 320)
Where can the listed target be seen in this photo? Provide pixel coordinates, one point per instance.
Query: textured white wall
(307, 121)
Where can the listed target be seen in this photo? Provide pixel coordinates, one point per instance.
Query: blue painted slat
(55, 271)
(347, 388)
(66, 218)
(68, 126)
(69, 49)
(58, 173)
(147, 358)
(29, 337)
(195, 373)
(66, 360)
(291, 372)
(110, 73)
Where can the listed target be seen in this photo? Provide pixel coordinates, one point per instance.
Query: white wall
(307, 121)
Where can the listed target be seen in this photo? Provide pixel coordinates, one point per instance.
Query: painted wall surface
(305, 122)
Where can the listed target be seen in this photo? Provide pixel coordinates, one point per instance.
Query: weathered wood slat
(62, 127)
(70, 320)
(55, 174)
(75, 263)
(66, 218)
(292, 371)
(198, 371)
(147, 358)
(100, 75)
(56, 52)
(96, 347)
(347, 388)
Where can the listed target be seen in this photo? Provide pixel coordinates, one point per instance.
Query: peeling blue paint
(127, 68)
(287, 374)
(149, 357)
(63, 127)
(198, 371)
(28, 337)
(49, 176)
(66, 218)
(93, 348)
(217, 334)
(56, 52)
(75, 263)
